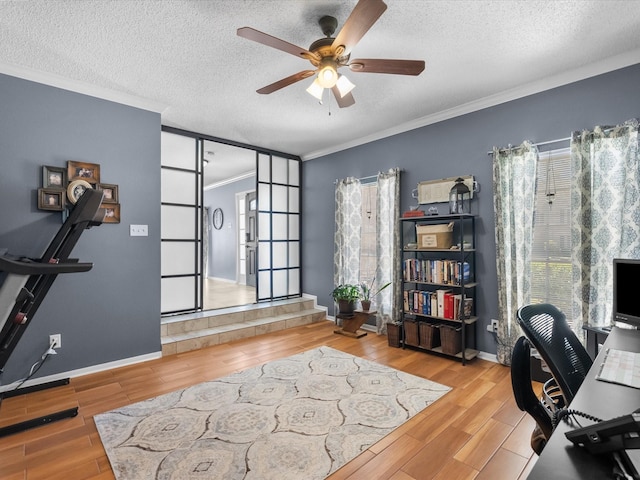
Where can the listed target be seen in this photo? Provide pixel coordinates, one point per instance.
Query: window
(368, 232)
(551, 253)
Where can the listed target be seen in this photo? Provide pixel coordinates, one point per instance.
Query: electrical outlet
(493, 326)
(55, 341)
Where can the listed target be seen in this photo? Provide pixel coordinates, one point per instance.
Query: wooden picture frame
(54, 177)
(76, 188)
(112, 212)
(110, 192)
(89, 172)
(53, 199)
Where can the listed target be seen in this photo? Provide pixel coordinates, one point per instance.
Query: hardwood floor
(474, 432)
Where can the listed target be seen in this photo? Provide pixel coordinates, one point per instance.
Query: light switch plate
(138, 230)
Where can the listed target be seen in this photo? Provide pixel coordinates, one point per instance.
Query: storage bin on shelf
(429, 335)
(435, 236)
(411, 335)
(451, 339)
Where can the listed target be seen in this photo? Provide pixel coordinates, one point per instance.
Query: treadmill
(26, 283)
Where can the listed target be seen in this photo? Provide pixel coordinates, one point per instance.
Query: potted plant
(368, 292)
(346, 296)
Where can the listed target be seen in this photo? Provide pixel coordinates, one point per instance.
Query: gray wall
(223, 242)
(113, 311)
(454, 147)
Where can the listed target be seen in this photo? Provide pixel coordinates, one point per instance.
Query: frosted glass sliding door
(278, 227)
(181, 231)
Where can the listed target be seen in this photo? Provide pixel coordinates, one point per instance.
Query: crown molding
(597, 68)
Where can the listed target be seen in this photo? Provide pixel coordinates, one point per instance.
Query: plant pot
(346, 307)
(366, 305)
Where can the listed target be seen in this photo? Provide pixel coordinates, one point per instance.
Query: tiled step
(183, 333)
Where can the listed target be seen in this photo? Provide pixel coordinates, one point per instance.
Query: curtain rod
(370, 177)
(538, 144)
(361, 179)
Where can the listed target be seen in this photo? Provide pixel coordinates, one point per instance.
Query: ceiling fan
(329, 54)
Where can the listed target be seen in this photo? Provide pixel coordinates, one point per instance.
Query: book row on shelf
(441, 303)
(436, 271)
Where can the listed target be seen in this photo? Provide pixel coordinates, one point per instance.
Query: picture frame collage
(62, 187)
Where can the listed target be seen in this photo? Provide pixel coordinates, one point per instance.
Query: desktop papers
(620, 367)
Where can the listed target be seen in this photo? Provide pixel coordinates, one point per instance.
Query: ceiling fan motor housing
(328, 25)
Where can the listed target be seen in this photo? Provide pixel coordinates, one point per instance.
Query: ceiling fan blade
(345, 101)
(378, 65)
(270, 41)
(285, 82)
(362, 18)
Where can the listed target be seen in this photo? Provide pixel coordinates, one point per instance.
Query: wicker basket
(393, 334)
(451, 339)
(411, 333)
(429, 335)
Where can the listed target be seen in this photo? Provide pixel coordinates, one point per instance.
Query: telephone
(611, 437)
(620, 433)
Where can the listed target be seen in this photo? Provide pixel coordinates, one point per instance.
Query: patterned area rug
(300, 417)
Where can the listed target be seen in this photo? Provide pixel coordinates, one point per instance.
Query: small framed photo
(75, 189)
(54, 177)
(111, 212)
(89, 172)
(109, 192)
(52, 199)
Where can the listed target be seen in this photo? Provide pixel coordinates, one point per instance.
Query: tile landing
(183, 333)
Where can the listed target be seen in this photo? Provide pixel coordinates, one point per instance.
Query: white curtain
(514, 186)
(388, 268)
(605, 204)
(346, 255)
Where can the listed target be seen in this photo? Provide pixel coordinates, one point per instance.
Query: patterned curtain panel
(388, 247)
(346, 254)
(605, 216)
(514, 184)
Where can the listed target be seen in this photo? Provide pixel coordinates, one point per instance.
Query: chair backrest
(547, 329)
(523, 393)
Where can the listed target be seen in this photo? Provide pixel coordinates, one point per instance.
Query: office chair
(547, 329)
(525, 397)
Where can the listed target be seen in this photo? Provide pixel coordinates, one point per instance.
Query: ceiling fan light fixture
(344, 85)
(328, 73)
(316, 89)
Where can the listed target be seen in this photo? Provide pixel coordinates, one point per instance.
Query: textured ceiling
(184, 59)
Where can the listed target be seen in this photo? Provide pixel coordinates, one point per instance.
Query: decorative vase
(346, 307)
(366, 305)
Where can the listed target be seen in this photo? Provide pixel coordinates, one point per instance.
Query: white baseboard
(83, 371)
(490, 357)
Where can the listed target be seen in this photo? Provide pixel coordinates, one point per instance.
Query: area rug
(297, 418)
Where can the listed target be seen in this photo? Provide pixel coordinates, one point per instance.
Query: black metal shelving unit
(446, 276)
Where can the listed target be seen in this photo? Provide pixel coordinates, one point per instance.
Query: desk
(595, 336)
(560, 459)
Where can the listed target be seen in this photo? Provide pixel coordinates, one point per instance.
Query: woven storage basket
(393, 334)
(429, 335)
(411, 333)
(451, 339)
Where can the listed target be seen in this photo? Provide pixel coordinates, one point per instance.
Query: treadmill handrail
(30, 267)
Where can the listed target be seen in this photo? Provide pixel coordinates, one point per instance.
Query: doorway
(251, 244)
(201, 174)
